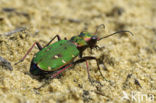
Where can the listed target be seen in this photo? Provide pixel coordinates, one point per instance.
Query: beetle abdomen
(35, 70)
(55, 55)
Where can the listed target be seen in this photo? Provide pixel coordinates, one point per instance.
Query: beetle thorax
(90, 39)
(78, 41)
(84, 40)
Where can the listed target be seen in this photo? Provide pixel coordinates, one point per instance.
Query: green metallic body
(54, 58)
(56, 55)
(78, 41)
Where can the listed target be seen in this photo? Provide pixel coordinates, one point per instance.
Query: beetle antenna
(98, 27)
(123, 31)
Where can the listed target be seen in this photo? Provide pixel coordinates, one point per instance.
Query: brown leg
(53, 76)
(58, 37)
(39, 47)
(89, 58)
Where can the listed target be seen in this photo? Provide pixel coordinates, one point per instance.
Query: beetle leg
(88, 72)
(39, 47)
(97, 47)
(53, 76)
(84, 59)
(90, 58)
(60, 71)
(58, 37)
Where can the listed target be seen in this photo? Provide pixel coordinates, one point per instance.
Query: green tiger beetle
(54, 58)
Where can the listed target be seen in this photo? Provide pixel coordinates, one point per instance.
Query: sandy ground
(130, 60)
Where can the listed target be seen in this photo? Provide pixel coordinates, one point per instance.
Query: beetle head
(89, 38)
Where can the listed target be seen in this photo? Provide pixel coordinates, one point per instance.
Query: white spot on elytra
(56, 56)
(63, 61)
(73, 56)
(49, 68)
